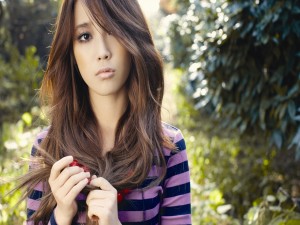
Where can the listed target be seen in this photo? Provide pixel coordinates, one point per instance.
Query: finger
(59, 166)
(76, 189)
(100, 195)
(94, 211)
(74, 180)
(67, 173)
(103, 184)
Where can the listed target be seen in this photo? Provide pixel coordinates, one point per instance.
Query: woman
(106, 157)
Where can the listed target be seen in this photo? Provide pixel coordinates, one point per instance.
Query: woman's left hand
(102, 203)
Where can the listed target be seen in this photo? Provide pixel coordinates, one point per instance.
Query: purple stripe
(177, 158)
(169, 132)
(177, 200)
(149, 193)
(81, 217)
(155, 170)
(33, 204)
(178, 136)
(178, 179)
(40, 135)
(176, 220)
(39, 186)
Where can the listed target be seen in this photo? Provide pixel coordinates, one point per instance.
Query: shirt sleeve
(176, 204)
(33, 200)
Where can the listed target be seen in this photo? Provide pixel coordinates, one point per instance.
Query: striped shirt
(168, 203)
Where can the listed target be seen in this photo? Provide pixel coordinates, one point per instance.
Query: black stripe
(40, 140)
(33, 151)
(176, 210)
(52, 220)
(30, 212)
(180, 145)
(147, 182)
(35, 195)
(177, 190)
(177, 169)
(138, 205)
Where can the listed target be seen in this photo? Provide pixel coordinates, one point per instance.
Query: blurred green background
(232, 73)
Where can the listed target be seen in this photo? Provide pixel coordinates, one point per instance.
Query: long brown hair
(73, 127)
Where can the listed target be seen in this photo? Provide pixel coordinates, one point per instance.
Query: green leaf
(277, 138)
(292, 109)
(27, 118)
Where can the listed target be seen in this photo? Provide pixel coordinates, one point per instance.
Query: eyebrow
(82, 25)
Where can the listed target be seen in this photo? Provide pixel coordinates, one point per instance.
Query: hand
(66, 183)
(102, 202)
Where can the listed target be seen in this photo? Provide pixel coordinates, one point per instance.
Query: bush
(242, 75)
(243, 62)
(19, 79)
(17, 141)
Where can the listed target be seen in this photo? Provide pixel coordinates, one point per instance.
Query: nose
(104, 52)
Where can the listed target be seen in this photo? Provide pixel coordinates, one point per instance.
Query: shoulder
(38, 139)
(176, 137)
(41, 135)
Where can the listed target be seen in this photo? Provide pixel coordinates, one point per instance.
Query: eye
(84, 37)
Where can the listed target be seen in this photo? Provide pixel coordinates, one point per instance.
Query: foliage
(243, 64)
(19, 79)
(20, 76)
(229, 173)
(242, 70)
(271, 211)
(25, 23)
(17, 139)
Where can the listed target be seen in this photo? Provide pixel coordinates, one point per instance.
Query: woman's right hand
(66, 183)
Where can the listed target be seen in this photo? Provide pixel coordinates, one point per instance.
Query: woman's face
(103, 62)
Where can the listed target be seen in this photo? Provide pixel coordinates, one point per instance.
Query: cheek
(80, 60)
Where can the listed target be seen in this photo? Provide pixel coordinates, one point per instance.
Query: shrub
(242, 75)
(243, 62)
(19, 79)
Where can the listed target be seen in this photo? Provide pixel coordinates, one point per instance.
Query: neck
(108, 111)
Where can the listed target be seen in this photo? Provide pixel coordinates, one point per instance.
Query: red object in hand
(85, 169)
(125, 191)
(75, 163)
(122, 193)
(120, 197)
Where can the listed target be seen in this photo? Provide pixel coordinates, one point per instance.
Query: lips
(105, 73)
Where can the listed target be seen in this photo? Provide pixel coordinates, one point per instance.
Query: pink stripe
(177, 200)
(30, 222)
(155, 170)
(177, 158)
(149, 193)
(178, 136)
(40, 135)
(39, 186)
(33, 204)
(176, 220)
(138, 216)
(166, 151)
(178, 179)
(81, 217)
(169, 131)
